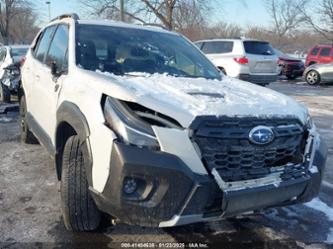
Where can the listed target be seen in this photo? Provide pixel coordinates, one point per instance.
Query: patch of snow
(321, 206)
(330, 237)
(5, 119)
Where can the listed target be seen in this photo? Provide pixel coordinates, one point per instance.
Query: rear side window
(58, 48)
(325, 52)
(258, 48)
(43, 43)
(217, 47)
(315, 51)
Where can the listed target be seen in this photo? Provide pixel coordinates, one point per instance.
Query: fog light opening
(130, 186)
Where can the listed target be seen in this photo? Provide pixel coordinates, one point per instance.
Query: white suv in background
(249, 60)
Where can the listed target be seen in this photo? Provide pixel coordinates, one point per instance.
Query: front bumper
(170, 194)
(258, 78)
(293, 70)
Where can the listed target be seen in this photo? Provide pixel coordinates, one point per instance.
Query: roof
(17, 46)
(229, 39)
(123, 25)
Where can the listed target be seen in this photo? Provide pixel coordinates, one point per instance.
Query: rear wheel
(312, 78)
(78, 208)
(4, 93)
(26, 135)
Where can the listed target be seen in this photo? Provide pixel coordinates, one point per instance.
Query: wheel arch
(71, 121)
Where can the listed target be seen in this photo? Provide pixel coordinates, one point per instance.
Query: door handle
(37, 77)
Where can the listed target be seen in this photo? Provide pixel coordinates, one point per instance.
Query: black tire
(4, 93)
(79, 211)
(27, 136)
(312, 78)
(291, 77)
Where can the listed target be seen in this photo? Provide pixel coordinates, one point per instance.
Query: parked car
(319, 54)
(248, 60)
(10, 57)
(291, 67)
(319, 73)
(143, 127)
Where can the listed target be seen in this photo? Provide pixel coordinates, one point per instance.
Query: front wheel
(312, 78)
(4, 93)
(79, 211)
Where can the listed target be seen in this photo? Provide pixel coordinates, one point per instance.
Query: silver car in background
(319, 73)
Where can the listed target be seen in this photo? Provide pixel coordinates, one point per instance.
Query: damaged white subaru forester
(143, 127)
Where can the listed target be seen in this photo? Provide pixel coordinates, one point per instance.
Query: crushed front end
(218, 167)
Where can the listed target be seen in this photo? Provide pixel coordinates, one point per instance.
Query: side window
(43, 43)
(217, 47)
(58, 48)
(325, 52)
(315, 51)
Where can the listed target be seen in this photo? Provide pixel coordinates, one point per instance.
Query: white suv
(143, 127)
(250, 60)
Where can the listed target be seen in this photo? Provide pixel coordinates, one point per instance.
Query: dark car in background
(319, 54)
(291, 67)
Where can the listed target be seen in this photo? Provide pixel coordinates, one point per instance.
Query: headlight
(309, 123)
(128, 126)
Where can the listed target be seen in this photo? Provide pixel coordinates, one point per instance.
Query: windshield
(18, 52)
(121, 51)
(258, 48)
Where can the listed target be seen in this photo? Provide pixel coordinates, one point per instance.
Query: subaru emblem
(261, 135)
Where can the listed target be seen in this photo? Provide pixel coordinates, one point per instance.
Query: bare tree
(24, 26)
(320, 17)
(286, 18)
(9, 9)
(149, 12)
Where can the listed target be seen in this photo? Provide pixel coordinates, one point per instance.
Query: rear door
(326, 72)
(261, 56)
(32, 72)
(47, 86)
(325, 55)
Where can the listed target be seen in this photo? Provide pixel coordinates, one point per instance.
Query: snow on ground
(318, 205)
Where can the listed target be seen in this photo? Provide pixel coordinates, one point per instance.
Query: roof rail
(72, 15)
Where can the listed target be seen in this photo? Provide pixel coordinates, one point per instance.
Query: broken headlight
(309, 123)
(128, 126)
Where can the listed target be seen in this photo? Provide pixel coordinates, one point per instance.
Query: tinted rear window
(259, 48)
(315, 51)
(325, 52)
(217, 47)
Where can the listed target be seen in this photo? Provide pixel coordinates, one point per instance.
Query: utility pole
(122, 10)
(49, 8)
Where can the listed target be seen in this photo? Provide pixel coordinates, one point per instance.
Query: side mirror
(54, 69)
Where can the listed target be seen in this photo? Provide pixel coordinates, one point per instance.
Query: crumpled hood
(184, 99)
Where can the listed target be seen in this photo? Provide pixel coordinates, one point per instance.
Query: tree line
(294, 24)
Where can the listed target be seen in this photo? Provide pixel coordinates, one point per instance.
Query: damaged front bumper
(168, 193)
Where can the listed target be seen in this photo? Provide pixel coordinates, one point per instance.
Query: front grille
(225, 146)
